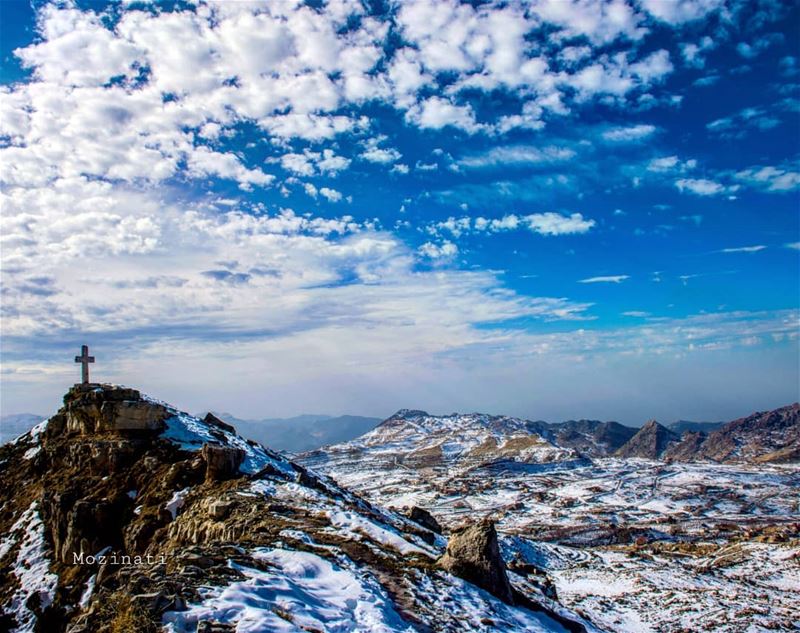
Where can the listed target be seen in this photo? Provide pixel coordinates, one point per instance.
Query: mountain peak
(650, 441)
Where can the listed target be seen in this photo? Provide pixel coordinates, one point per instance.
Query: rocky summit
(120, 513)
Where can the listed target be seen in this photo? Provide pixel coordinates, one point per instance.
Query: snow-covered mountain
(638, 543)
(415, 439)
(121, 513)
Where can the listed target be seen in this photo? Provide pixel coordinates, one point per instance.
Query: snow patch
(32, 570)
(301, 591)
(177, 501)
(357, 526)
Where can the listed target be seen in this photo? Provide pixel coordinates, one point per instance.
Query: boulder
(219, 509)
(213, 420)
(473, 554)
(222, 462)
(424, 518)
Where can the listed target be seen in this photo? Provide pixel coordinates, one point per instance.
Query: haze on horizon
(554, 210)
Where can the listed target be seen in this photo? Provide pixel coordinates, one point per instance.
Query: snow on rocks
(190, 433)
(36, 584)
(306, 592)
(357, 526)
(177, 502)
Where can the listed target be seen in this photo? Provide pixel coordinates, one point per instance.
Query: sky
(554, 209)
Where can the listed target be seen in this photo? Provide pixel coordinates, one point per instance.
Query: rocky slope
(121, 513)
(591, 438)
(650, 442)
(766, 436)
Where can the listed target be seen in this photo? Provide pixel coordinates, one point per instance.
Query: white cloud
(667, 164)
(311, 163)
(517, 155)
(676, 12)
(700, 186)
(629, 134)
(600, 22)
(557, 224)
(612, 279)
(770, 178)
(382, 155)
(436, 113)
(744, 249)
(549, 223)
(444, 250)
(693, 54)
(330, 194)
(793, 245)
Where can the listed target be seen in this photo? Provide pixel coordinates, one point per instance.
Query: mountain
(417, 439)
(682, 426)
(590, 437)
(14, 425)
(121, 513)
(649, 442)
(303, 432)
(765, 436)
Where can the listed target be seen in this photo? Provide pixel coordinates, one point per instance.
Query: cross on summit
(84, 359)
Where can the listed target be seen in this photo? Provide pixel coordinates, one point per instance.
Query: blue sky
(554, 209)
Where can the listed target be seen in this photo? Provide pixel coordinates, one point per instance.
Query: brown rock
(473, 554)
(213, 420)
(219, 509)
(424, 518)
(132, 415)
(222, 462)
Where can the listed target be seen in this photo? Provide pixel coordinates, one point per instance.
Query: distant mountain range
(764, 436)
(417, 440)
(303, 432)
(12, 426)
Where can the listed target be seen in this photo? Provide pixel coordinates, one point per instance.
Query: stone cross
(84, 359)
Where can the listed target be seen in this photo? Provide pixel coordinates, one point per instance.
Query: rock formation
(473, 554)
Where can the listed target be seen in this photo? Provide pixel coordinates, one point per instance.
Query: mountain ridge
(122, 513)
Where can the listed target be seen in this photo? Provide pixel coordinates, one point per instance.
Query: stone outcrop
(424, 518)
(94, 408)
(222, 462)
(473, 554)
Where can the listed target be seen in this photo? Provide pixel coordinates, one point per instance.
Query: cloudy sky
(553, 209)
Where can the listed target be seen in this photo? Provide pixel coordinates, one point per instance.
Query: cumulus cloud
(438, 251)
(666, 164)
(700, 186)
(549, 223)
(770, 178)
(677, 12)
(331, 195)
